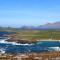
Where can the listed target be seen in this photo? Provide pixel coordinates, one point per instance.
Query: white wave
(55, 48)
(13, 43)
(3, 40)
(2, 50)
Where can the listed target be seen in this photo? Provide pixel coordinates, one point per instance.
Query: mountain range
(55, 25)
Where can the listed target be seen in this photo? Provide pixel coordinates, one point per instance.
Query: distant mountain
(55, 25)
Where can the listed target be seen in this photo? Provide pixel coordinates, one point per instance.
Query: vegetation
(38, 34)
(30, 34)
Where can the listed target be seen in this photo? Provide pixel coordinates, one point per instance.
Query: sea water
(41, 46)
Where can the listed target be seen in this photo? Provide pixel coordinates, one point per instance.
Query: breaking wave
(54, 48)
(13, 43)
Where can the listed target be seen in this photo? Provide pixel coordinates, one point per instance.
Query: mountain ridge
(55, 25)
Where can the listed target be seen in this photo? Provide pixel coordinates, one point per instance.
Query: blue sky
(18, 13)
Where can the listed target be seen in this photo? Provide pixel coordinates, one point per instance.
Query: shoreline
(22, 41)
(33, 56)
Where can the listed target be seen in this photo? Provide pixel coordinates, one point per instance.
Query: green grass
(38, 34)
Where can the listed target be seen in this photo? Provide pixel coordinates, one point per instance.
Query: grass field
(38, 34)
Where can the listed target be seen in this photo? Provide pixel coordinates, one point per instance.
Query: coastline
(29, 41)
(32, 56)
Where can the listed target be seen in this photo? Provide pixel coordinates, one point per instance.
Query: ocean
(41, 46)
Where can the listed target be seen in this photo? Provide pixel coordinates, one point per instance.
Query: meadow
(38, 34)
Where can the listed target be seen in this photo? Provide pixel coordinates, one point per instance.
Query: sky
(16, 13)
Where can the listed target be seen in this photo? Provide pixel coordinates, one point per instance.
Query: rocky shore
(32, 56)
(22, 41)
(39, 56)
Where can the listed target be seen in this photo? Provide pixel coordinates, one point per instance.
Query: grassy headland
(34, 35)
